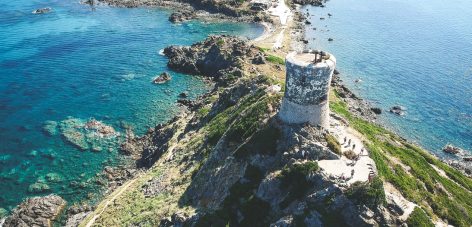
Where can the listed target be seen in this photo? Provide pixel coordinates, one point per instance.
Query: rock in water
(164, 77)
(398, 110)
(42, 10)
(38, 187)
(87, 135)
(37, 211)
(452, 150)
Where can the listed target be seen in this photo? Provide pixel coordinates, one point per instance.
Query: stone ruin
(308, 78)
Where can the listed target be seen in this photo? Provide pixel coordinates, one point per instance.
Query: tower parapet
(308, 78)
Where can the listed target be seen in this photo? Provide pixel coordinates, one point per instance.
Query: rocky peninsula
(228, 159)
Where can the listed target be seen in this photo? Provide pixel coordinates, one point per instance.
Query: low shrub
(333, 144)
(350, 155)
(370, 194)
(275, 59)
(418, 218)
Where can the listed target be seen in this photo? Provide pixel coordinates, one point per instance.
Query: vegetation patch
(446, 197)
(370, 194)
(333, 144)
(294, 180)
(419, 218)
(350, 154)
(275, 59)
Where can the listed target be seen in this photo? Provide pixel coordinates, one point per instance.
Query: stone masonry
(307, 85)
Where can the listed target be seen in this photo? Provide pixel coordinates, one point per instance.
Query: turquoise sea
(78, 63)
(417, 54)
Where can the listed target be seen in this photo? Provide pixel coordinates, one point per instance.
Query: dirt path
(118, 193)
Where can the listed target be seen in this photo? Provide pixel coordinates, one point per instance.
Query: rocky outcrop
(164, 77)
(181, 16)
(309, 2)
(37, 211)
(214, 57)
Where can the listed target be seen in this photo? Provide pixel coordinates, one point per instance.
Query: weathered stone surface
(283, 222)
(37, 211)
(212, 57)
(181, 16)
(306, 89)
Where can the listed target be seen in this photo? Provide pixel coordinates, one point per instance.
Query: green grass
(275, 59)
(418, 218)
(448, 198)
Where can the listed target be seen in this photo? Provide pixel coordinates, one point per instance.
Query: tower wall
(307, 89)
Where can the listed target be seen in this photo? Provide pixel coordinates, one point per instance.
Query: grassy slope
(237, 122)
(446, 194)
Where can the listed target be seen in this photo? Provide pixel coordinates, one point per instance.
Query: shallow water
(417, 54)
(84, 64)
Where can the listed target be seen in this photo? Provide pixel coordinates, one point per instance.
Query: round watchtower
(308, 78)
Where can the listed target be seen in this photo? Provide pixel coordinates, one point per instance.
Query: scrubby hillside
(229, 160)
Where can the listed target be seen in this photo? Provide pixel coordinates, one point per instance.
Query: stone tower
(307, 83)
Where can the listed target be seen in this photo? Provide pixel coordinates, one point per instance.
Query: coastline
(279, 48)
(353, 101)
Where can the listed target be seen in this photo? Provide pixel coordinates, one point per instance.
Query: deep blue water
(84, 64)
(412, 53)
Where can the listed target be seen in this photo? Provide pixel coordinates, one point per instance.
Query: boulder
(376, 110)
(164, 77)
(259, 59)
(37, 211)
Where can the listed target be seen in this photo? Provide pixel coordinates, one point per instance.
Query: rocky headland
(228, 160)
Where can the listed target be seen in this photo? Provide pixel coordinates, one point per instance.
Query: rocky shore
(188, 149)
(227, 158)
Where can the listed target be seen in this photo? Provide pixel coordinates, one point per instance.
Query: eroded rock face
(213, 57)
(37, 211)
(181, 16)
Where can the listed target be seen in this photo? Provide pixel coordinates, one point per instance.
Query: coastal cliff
(228, 159)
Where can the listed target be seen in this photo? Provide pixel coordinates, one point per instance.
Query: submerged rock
(38, 187)
(50, 128)
(37, 211)
(164, 77)
(87, 135)
(53, 177)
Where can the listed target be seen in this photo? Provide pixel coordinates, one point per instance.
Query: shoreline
(279, 49)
